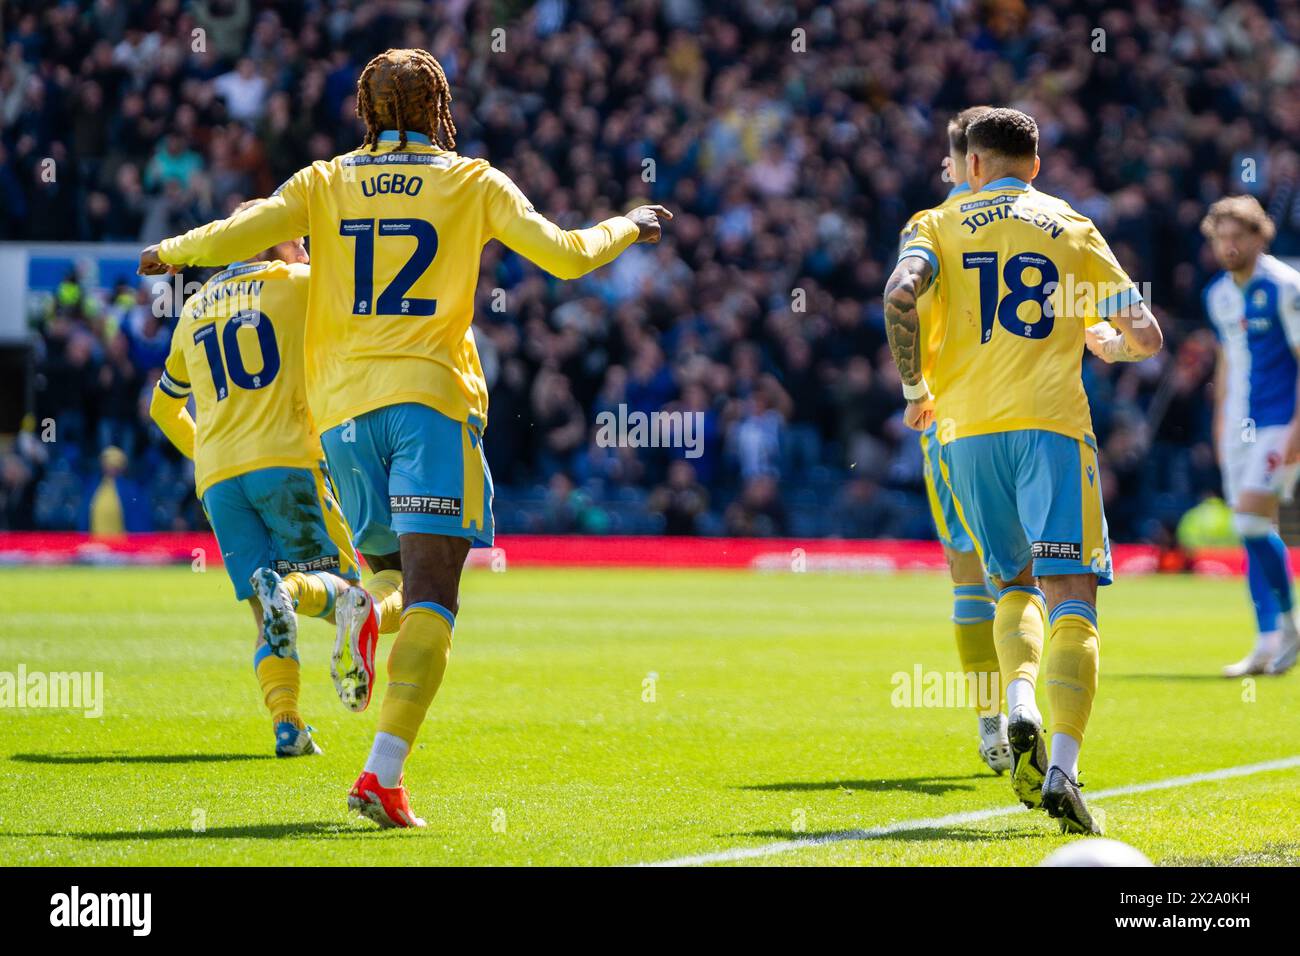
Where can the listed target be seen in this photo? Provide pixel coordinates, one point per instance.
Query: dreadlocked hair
(406, 90)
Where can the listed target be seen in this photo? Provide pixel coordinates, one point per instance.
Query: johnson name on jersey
(1018, 275)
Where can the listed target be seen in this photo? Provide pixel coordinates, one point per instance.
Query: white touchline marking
(970, 816)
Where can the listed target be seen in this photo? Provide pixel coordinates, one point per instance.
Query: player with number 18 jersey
(1018, 276)
(1020, 281)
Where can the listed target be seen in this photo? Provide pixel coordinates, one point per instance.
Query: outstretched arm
(565, 253)
(572, 253)
(911, 277)
(246, 233)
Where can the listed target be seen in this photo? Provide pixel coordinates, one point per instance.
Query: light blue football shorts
(286, 519)
(408, 468)
(1030, 495)
(943, 510)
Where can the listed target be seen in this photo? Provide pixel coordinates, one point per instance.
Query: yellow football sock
(279, 677)
(313, 594)
(415, 668)
(1071, 669)
(386, 588)
(972, 616)
(1018, 628)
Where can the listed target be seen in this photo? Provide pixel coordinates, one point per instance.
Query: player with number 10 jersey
(258, 467)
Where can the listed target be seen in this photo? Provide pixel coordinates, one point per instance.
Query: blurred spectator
(759, 511)
(119, 390)
(173, 164)
(866, 511)
(114, 503)
(681, 500)
(17, 494)
(244, 91)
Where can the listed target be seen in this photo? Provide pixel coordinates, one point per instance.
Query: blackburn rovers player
(397, 227)
(1018, 276)
(1254, 306)
(258, 467)
(972, 601)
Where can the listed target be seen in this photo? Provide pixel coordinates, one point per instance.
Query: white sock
(993, 730)
(1286, 623)
(387, 755)
(1268, 643)
(1020, 693)
(1065, 754)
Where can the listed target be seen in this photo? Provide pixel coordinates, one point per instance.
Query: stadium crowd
(792, 140)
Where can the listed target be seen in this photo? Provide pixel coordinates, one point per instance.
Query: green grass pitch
(771, 720)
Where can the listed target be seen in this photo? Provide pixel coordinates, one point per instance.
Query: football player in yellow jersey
(396, 228)
(972, 602)
(1020, 280)
(258, 467)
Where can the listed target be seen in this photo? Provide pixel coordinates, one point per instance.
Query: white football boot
(1285, 658)
(279, 620)
(995, 749)
(1256, 662)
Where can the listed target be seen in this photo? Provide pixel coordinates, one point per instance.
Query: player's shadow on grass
(1207, 678)
(255, 831)
(961, 834)
(136, 758)
(934, 786)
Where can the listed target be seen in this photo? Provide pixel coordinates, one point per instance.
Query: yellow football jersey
(396, 237)
(238, 346)
(1018, 277)
(931, 331)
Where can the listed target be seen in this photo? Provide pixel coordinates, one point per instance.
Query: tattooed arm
(1132, 335)
(911, 277)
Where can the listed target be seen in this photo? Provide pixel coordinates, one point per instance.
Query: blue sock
(972, 604)
(1269, 552)
(1261, 595)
